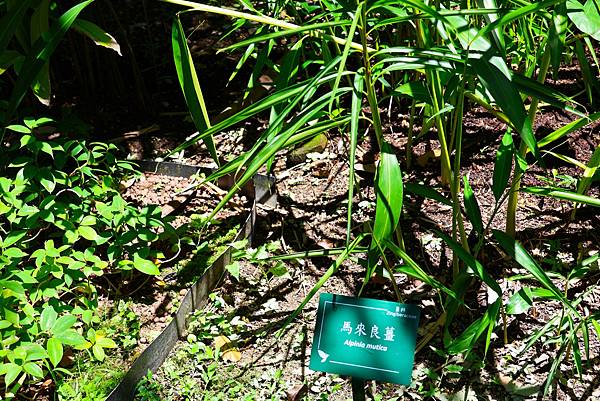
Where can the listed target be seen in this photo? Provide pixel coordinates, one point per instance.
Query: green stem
(513, 199)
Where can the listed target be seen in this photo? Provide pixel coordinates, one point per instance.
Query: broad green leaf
(14, 286)
(105, 342)
(585, 17)
(19, 128)
(33, 369)
(39, 55)
(520, 302)
(188, 80)
(563, 195)
(70, 337)
(12, 372)
(503, 165)
(88, 233)
(40, 25)
(55, 350)
(145, 265)
(389, 193)
(48, 318)
(98, 352)
(472, 207)
(62, 324)
(234, 269)
(97, 34)
(558, 33)
(8, 59)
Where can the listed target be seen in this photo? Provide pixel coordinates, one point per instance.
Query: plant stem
(513, 199)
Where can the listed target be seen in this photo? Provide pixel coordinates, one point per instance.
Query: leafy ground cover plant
(64, 224)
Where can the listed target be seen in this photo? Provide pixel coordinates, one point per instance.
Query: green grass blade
(503, 165)
(563, 195)
(357, 97)
(346, 50)
(40, 54)
(188, 80)
(472, 207)
(589, 172)
(264, 104)
(589, 80)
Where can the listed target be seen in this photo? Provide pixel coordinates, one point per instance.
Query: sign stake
(358, 389)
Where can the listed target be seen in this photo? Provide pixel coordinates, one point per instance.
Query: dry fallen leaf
(229, 351)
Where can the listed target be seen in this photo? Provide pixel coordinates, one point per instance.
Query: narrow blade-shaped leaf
(188, 80)
(98, 35)
(563, 195)
(503, 165)
(40, 54)
(522, 257)
(472, 207)
(357, 96)
(389, 192)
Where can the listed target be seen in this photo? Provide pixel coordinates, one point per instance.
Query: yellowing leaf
(229, 351)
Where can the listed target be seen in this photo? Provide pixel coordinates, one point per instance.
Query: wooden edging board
(155, 353)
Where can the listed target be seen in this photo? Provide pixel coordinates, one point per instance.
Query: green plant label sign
(365, 338)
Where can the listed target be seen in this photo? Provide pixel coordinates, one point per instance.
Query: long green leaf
(508, 99)
(515, 15)
(472, 207)
(503, 165)
(357, 97)
(188, 80)
(40, 54)
(563, 194)
(567, 129)
(412, 269)
(522, 257)
(475, 266)
(389, 193)
(465, 342)
(98, 35)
